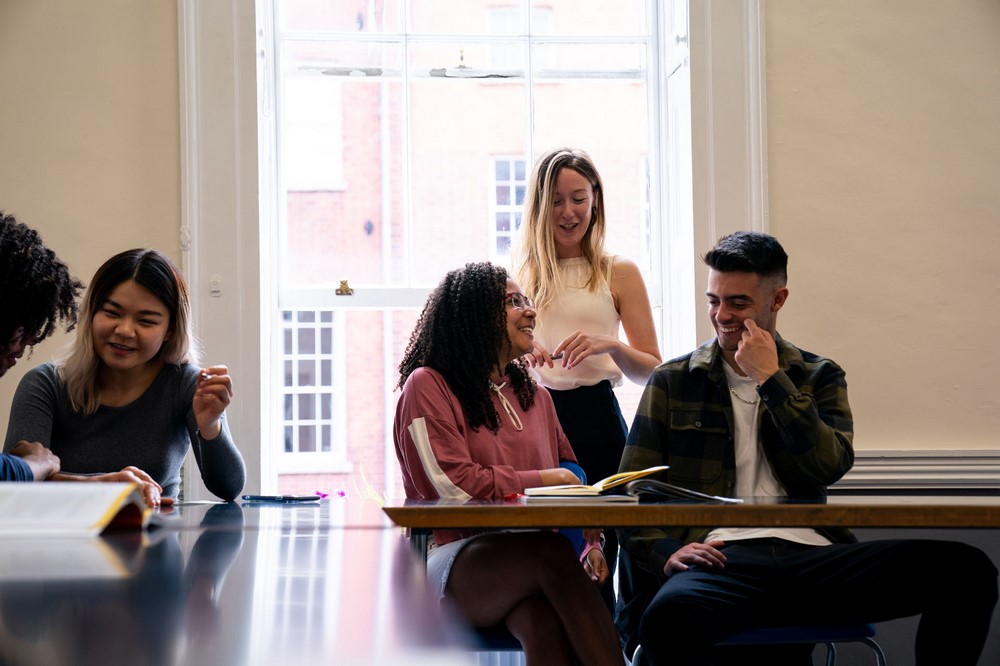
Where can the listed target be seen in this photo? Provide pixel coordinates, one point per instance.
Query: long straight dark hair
(152, 270)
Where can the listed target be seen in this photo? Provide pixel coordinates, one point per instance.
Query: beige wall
(884, 185)
(883, 146)
(89, 132)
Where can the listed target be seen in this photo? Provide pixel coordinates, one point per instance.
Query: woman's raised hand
(212, 395)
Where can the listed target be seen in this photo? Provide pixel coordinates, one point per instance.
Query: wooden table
(840, 511)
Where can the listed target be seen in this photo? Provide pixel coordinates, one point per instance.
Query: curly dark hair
(460, 330)
(36, 289)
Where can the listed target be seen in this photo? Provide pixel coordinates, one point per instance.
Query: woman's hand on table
(151, 490)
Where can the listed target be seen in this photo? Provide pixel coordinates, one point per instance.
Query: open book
(651, 490)
(66, 508)
(599, 488)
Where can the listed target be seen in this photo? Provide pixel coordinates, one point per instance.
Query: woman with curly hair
(471, 423)
(36, 293)
(129, 394)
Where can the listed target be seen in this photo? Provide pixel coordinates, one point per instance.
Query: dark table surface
(226, 584)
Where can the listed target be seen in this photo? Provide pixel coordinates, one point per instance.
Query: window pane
(307, 438)
(307, 407)
(454, 170)
(307, 341)
(345, 227)
(594, 60)
(307, 15)
(307, 373)
(462, 17)
(620, 152)
(589, 17)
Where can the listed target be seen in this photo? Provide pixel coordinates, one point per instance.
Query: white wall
(89, 133)
(884, 186)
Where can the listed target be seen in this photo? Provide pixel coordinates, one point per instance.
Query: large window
(403, 135)
(707, 165)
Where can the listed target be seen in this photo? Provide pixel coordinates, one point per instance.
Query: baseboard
(977, 470)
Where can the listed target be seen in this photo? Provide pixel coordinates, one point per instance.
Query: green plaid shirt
(685, 420)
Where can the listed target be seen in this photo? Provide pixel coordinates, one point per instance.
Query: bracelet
(593, 545)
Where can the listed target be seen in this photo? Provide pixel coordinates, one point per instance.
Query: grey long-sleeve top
(152, 433)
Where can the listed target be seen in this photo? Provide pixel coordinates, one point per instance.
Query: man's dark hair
(36, 289)
(749, 252)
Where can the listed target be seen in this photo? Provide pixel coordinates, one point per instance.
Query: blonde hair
(152, 270)
(537, 264)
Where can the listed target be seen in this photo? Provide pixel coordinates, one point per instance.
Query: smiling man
(752, 415)
(36, 293)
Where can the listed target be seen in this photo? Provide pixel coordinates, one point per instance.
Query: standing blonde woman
(583, 295)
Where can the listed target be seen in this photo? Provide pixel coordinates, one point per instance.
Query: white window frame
(225, 243)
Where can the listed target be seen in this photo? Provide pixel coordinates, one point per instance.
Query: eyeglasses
(518, 301)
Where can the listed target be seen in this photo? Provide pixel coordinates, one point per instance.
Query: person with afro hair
(37, 293)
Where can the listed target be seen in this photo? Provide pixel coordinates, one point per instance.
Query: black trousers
(951, 585)
(592, 420)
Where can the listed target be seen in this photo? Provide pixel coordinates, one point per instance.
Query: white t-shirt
(754, 477)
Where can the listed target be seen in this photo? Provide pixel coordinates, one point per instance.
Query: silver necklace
(742, 399)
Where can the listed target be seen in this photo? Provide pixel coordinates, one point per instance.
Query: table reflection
(230, 585)
(142, 607)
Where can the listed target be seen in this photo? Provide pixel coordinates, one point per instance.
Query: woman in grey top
(128, 399)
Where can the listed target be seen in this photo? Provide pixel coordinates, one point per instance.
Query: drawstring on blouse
(507, 407)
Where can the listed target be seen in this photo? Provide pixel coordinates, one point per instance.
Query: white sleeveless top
(575, 309)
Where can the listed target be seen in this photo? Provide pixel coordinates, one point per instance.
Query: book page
(604, 484)
(624, 477)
